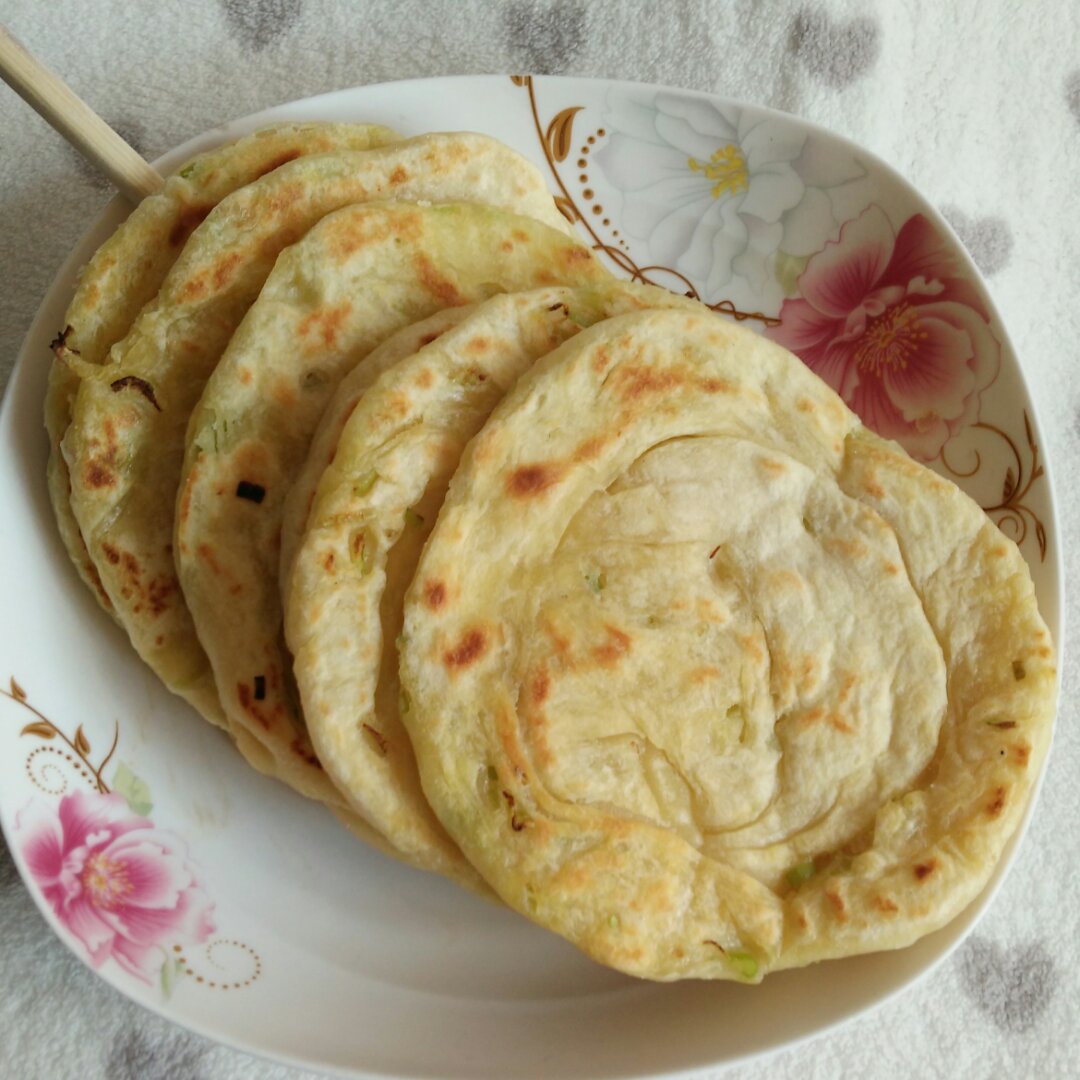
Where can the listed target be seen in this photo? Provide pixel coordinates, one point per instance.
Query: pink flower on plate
(121, 886)
(890, 321)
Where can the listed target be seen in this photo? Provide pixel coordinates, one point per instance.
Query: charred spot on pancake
(575, 254)
(141, 385)
(541, 687)
(468, 650)
(253, 492)
(260, 687)
(60, 346)
(633, 382)
(836, 901)
(529, 480)
(97, 475)
(923, 870)
(249, 702)
(206, 553)
(325, 323)
(715, 386)
(614, 648)
(885, 905)
(442, 288)
(590, 449)
(997, 803)
(100, 469)
(159, 592)
(304, 751)
(194, 288)
(517, 822)
(224, 268)
(434, 595)
(377, 738)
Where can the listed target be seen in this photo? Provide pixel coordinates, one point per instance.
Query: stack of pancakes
(561, 586)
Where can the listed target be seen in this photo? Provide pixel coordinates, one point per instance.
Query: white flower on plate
(713, 192)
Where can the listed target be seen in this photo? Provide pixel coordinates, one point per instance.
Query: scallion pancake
(360, 275)
(374, 505)
(126, 272)
(124, 447)
(708, 678)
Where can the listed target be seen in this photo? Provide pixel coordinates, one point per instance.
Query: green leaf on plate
(171, 971)
(788, 270)
(126, 783)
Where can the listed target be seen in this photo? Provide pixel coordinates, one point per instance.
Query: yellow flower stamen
(106, 881)
(890, 340)
(727, 167)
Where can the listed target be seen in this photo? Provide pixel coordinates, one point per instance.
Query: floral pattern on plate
(889, 321)
(765, 219)
(123, 888)
(726, 196)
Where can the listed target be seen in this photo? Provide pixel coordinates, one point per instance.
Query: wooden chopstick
(75, 120)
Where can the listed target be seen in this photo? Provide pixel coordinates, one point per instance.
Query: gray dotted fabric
(834, 51)
(977, 104)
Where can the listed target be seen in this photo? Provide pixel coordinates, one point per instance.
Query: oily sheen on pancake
(708, 678)
(125, 445)
(127, 270)
(360, 275)
(374, 506)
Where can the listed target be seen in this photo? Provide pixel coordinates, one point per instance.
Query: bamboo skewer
(75, 120)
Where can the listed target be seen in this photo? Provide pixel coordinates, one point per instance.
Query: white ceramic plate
(230, 905)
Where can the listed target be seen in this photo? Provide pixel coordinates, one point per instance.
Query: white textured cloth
(977, 102)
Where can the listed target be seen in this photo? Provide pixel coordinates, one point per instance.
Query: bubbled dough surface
(383, 486)
(667, 459)
(749, 699)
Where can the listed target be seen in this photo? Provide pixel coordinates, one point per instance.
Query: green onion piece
(188, 170)
(413, 518)
(800, 873)
(744, 963)
(493, 787)
(596, 580)
(613, 922)
(362, 550)
(468, 377)
(314, 378)
(365, 483)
